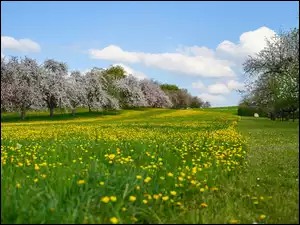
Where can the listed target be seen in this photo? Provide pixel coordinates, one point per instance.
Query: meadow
(149, 166)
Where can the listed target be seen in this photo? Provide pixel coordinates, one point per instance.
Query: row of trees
(273, 77)
(26, 85)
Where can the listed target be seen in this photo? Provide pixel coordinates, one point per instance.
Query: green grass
(272, 172)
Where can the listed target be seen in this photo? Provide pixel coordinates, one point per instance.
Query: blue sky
(195, 45)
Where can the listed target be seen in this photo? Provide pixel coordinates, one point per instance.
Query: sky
(200, 46)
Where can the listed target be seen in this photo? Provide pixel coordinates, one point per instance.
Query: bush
(249, 111)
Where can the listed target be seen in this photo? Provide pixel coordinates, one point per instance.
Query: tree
(206, 105)
(276, 73)
(76, 91)
(20, 85)
(154, 95)
(53, 85)
(130, 92)
(96, 86)
(196, 102)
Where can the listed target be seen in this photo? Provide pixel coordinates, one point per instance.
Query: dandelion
(101, 183)
(132, 198)
(262, 216)
(114, 220)
(113, 198)
(138, 177)
(178, 203)
(105, 199)
(124, 209)
(170, 174)
(134, 219)
(138, 188)
(147, 179)
(145, 201)
(36, 167)
(36, 180)
(234, 221)
(18, 185)
(165, 198)
(156, 196)
(204, 205)
(80, 182)
(202, 189)
(173, 193)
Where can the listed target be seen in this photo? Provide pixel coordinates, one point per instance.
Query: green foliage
(169, 87)
(249, 111)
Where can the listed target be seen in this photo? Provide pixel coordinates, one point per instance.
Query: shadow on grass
(44, 116)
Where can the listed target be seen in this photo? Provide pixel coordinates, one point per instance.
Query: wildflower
(113, 198)
(156, 196)
(262, 216)
(18, 185)
(162, 178)
(145, 201)
(202, 189)
(147, 179)
(36, 180)
(101, 183)
(178, 203)
(134, 219)
(180, 178)
(138, 177)
(80, 182)
(36, 167)
(173, 193)
(204, 205)
(165, 198)
(138, 188)
(234, 221)
(170, 174)
(105, 199)
(111, 156)
(114, 220)
(132, 198)
(124, 209)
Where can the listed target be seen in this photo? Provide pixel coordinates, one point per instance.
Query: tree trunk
(51, 111)
(73, 112)
(23, 113)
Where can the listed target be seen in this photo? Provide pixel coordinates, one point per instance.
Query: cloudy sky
(196, 45)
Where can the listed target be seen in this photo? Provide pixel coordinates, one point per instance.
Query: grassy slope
(273, 154)
(273, 171)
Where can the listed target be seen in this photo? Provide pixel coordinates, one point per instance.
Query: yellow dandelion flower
(134, 219)
(105, 199)
(80, 182)
(165, 198)
(170, 174)
(156, 196)
(138, 188)
(36, 167)
(18, 185)
(114, 220)
(147, 179)
(36, 180)
(204, 205)
(202, 189)
(113, 198)
(124, 209)
(173, 193)
(178, 203)
(101, 183)
(132, 198)
(262, 216)
(145, 201)
(138, 177)
(234, 221)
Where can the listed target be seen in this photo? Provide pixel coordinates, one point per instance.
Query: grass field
(149, 166)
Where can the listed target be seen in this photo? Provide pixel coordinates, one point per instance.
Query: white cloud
(131, 71)
(251, 42)
(196, 51)
(23, 45)
(218, 89)
(213, 99)
(235, 85)
(175, 62)
(198, 85)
